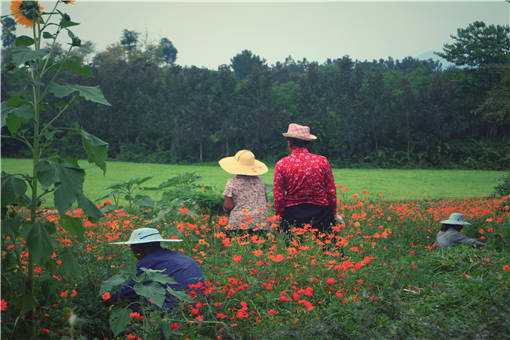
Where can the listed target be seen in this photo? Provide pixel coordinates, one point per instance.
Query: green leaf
(153, 292)
(46, 173)
(179, 294)
(74, 65)
(39, 243)
(13, 189)
(89, 207)
(119, 319)
(68, 23)
(11, 226)
(91, 93)
(48, 35)
(96, 149)
(24, 40)
(73, 225)
(70, 178)
(16, 101)
(144, 201)
(157, 276)
(60, 91)
(70, 266)
(20, 55)
(16, 117)
(113, 282)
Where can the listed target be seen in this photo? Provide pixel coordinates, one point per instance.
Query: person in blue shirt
(145, 244)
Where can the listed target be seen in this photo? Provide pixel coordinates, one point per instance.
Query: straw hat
(300, 132)
(146, 235)
(456, 219)
(243, 163)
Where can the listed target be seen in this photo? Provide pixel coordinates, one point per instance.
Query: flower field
(378, 275)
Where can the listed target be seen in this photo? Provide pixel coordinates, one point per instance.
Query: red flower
(136, 315)
(283, 298)
(272, 311)
(330, 281)
(199, 318)
(45, 331)
(3, 305)
(183, 211)
(74, 293)
(37, 270)
(106, 296)
(506, 267)
(237, 258)
(307, 304)
(242, 314)
(63, 294)
(221, 315)
(175, 326)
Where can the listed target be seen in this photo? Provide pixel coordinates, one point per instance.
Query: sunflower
(25, 12)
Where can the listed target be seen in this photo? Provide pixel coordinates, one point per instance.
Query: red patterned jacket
(303, 177)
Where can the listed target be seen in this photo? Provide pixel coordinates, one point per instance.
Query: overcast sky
(211, 33)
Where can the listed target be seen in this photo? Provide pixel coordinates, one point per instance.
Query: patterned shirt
(303, 177)
(250, 202)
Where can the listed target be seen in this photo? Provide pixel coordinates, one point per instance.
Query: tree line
(383, 113)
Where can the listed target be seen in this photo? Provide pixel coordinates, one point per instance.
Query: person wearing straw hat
(304, 187)
(145, 244)
(245, 193)
(450, 234)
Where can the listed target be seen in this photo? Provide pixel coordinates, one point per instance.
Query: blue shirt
(183, 269)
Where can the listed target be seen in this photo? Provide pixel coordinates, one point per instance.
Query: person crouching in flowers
(245, 193)
(450, 234)
(145, 244)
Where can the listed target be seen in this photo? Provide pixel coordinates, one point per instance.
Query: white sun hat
(456, 219)
(146, 235)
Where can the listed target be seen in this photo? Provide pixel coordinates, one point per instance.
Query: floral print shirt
(303, 177)
(250, 202)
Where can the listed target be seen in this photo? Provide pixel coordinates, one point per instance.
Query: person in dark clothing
(304, 187)
(145, 244)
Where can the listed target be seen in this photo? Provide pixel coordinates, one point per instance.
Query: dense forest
(381, 113)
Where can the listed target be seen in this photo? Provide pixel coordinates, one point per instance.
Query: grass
(394, 184)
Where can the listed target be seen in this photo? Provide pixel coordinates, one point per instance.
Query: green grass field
(393, 184)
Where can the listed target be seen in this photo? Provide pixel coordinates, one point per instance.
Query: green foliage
(503, 187)
(385, 113)
(479, 44)
(29, 114)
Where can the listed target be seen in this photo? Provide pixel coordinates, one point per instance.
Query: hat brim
(232, 166)
(144, 241)
(310, 137)
(454, 222)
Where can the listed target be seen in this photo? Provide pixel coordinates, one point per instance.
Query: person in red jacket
(304, 187)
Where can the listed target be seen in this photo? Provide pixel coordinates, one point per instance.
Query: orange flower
(25, 12)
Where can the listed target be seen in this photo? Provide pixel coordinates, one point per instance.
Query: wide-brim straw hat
(146, 235)
(300, 132)
(243, 163)
(455, 219)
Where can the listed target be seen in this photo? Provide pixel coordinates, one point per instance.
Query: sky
(208, 34)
